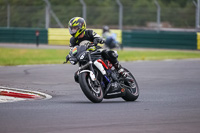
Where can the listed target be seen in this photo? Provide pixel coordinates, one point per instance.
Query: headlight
(73, 61)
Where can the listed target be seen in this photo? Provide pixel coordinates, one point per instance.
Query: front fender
(91, 74)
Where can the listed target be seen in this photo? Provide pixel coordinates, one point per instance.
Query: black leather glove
(67, 59)
(98, 40)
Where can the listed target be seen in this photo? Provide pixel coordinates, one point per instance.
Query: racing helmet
(76, 26)
(106, 29)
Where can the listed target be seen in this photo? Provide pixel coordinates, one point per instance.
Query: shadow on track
(103, 102)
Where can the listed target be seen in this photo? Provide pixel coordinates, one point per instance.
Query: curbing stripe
(20, 94)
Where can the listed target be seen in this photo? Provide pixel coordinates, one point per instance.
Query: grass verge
(14, 56)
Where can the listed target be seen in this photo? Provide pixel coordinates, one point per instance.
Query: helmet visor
(73, 29)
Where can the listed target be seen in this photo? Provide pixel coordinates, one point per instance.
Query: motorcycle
(98, 78)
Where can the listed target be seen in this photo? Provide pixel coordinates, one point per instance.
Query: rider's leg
(112, 57)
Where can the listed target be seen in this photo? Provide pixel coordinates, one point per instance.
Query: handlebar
(88, 45)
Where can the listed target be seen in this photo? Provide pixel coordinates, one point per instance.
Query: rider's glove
(67, 59)
(98, 40)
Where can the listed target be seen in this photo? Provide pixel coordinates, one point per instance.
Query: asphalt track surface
(169, 101)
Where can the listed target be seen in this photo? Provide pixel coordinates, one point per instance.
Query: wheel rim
(95, 90)
(131, 83)
(133, 88)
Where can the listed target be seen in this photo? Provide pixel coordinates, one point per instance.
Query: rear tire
(133, 93)
(94, 94)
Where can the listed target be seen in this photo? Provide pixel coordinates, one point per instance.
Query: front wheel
(131, 86)
(91, 90)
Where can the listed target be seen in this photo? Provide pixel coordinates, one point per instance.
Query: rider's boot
(120, 70)
(123, 73)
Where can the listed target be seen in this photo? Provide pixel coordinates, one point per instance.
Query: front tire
(93, 93)
(132, 92)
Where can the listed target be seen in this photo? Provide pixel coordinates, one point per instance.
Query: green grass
(157, 55)
(14, 56)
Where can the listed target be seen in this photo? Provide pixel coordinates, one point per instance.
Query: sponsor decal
(74, 50)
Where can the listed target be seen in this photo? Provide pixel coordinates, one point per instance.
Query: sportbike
(98, 78)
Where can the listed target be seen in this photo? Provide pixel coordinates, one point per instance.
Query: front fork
(99, 65)
(92, 72)
(96, 83)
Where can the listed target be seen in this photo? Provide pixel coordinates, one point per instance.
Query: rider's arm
(72, 42)
(71, 45)
(95, 37)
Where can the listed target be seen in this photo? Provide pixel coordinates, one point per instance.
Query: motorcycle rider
(77, 28)
(110, 38)
(106, 32)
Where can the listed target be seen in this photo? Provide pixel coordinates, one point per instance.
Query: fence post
(50, 11)
(47, 17)
(84, 10)
(56, 18)
(197, 13)
(47, 14)
(8, 14)
(158, 14)
(120, 14)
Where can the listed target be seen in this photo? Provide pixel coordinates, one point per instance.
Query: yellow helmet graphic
(76, 26)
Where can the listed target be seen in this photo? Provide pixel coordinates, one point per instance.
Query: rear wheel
(92, 90)
(131, 86)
